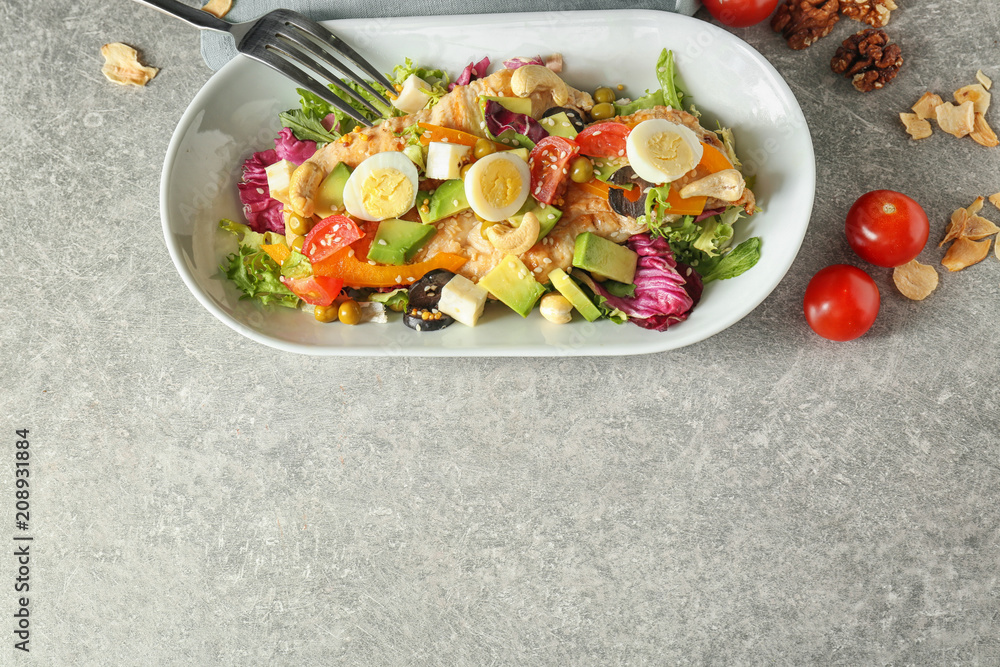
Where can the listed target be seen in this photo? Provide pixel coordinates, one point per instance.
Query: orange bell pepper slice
(358, 273)
(595, 187)
(690, 206)
(279, 252)
(713, 159)
(451, 136)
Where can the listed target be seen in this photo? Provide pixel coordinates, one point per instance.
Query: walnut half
(869, 59)
(802, 22)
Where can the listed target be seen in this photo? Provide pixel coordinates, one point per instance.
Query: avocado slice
(330, 196)
(599, 255)
(559, 124)
(448, 199)
(515, 104)
(605, 167)
(397, 241)
(574, 294)
(520, 152)
(512, 282)
(547, 215)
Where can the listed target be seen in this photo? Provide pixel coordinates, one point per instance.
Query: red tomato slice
(315, 290)
(603, 140)
(330, 235)
(549, 162)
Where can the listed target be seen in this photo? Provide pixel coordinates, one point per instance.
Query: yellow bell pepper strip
(279, 252)
(358, 273)
(448, 135)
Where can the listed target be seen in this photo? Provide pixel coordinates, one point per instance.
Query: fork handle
(195, 17)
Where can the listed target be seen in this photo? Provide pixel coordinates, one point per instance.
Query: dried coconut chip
(218, 8)
(979, 228)
(964, 253)
(976, 94)
(995, 199)
(121, 65)
(915, 280)
(916, 127)
(925, 106)
(957, 121)
(976, 206)
(982, 133)
(983, 79)
(957, 226)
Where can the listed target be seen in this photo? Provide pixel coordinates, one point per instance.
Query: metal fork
(288, 42)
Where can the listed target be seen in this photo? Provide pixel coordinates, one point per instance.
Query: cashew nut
(727, 185)
(302, 188)
(533, 78)
(516, 240)
(556, 308)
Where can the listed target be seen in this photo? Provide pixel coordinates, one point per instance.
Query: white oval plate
(236, 112)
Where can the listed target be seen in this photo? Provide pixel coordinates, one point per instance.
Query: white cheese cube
(463, 299)
(444, 160)
(414, 95)
(279, 177)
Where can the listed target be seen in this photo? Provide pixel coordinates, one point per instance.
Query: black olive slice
(616, 197)
(574, 116)
(426, 292)
(426, 320)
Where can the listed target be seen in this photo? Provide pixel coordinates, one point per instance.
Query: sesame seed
(350, 253)
(546, 261)
(411, 278)
(382, 242)
(399, 279)
(564, 171)
(621, 152)
(371, 262)
(538, 269)
(596, 133)
(260, 191)
(454, 202)
(444, 140)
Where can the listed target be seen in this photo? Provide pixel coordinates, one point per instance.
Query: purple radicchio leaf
(471, 72)
(263, 214)
(665, 291)
(514, 63)
(499, 118)
(289, 148)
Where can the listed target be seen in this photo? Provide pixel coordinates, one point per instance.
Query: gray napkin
(218, 49)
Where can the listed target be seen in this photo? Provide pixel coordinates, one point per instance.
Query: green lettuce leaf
(296, 266)
(306, 127)
(742, 258)
(437, 79)
(667, 76)
(397, 299)
(258, 277)
(647, 101)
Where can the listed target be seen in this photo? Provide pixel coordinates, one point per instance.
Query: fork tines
(287, 39)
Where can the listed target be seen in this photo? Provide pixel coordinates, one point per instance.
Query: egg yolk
(386, 193)
(500, 183)
(668, 151)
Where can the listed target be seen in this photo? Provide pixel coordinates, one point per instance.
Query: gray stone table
(762, 497)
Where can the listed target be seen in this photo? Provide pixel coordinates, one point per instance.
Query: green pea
(604, 95)
(603, 111)
(483, 148)
(581, 170)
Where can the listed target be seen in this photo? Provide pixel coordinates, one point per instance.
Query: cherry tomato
(330, 235)
(887, 228)
(315, 290)
(841, 302)
(549, 162)
(603, 140)
(740, 13)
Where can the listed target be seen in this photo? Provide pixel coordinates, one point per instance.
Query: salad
(505, 189)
